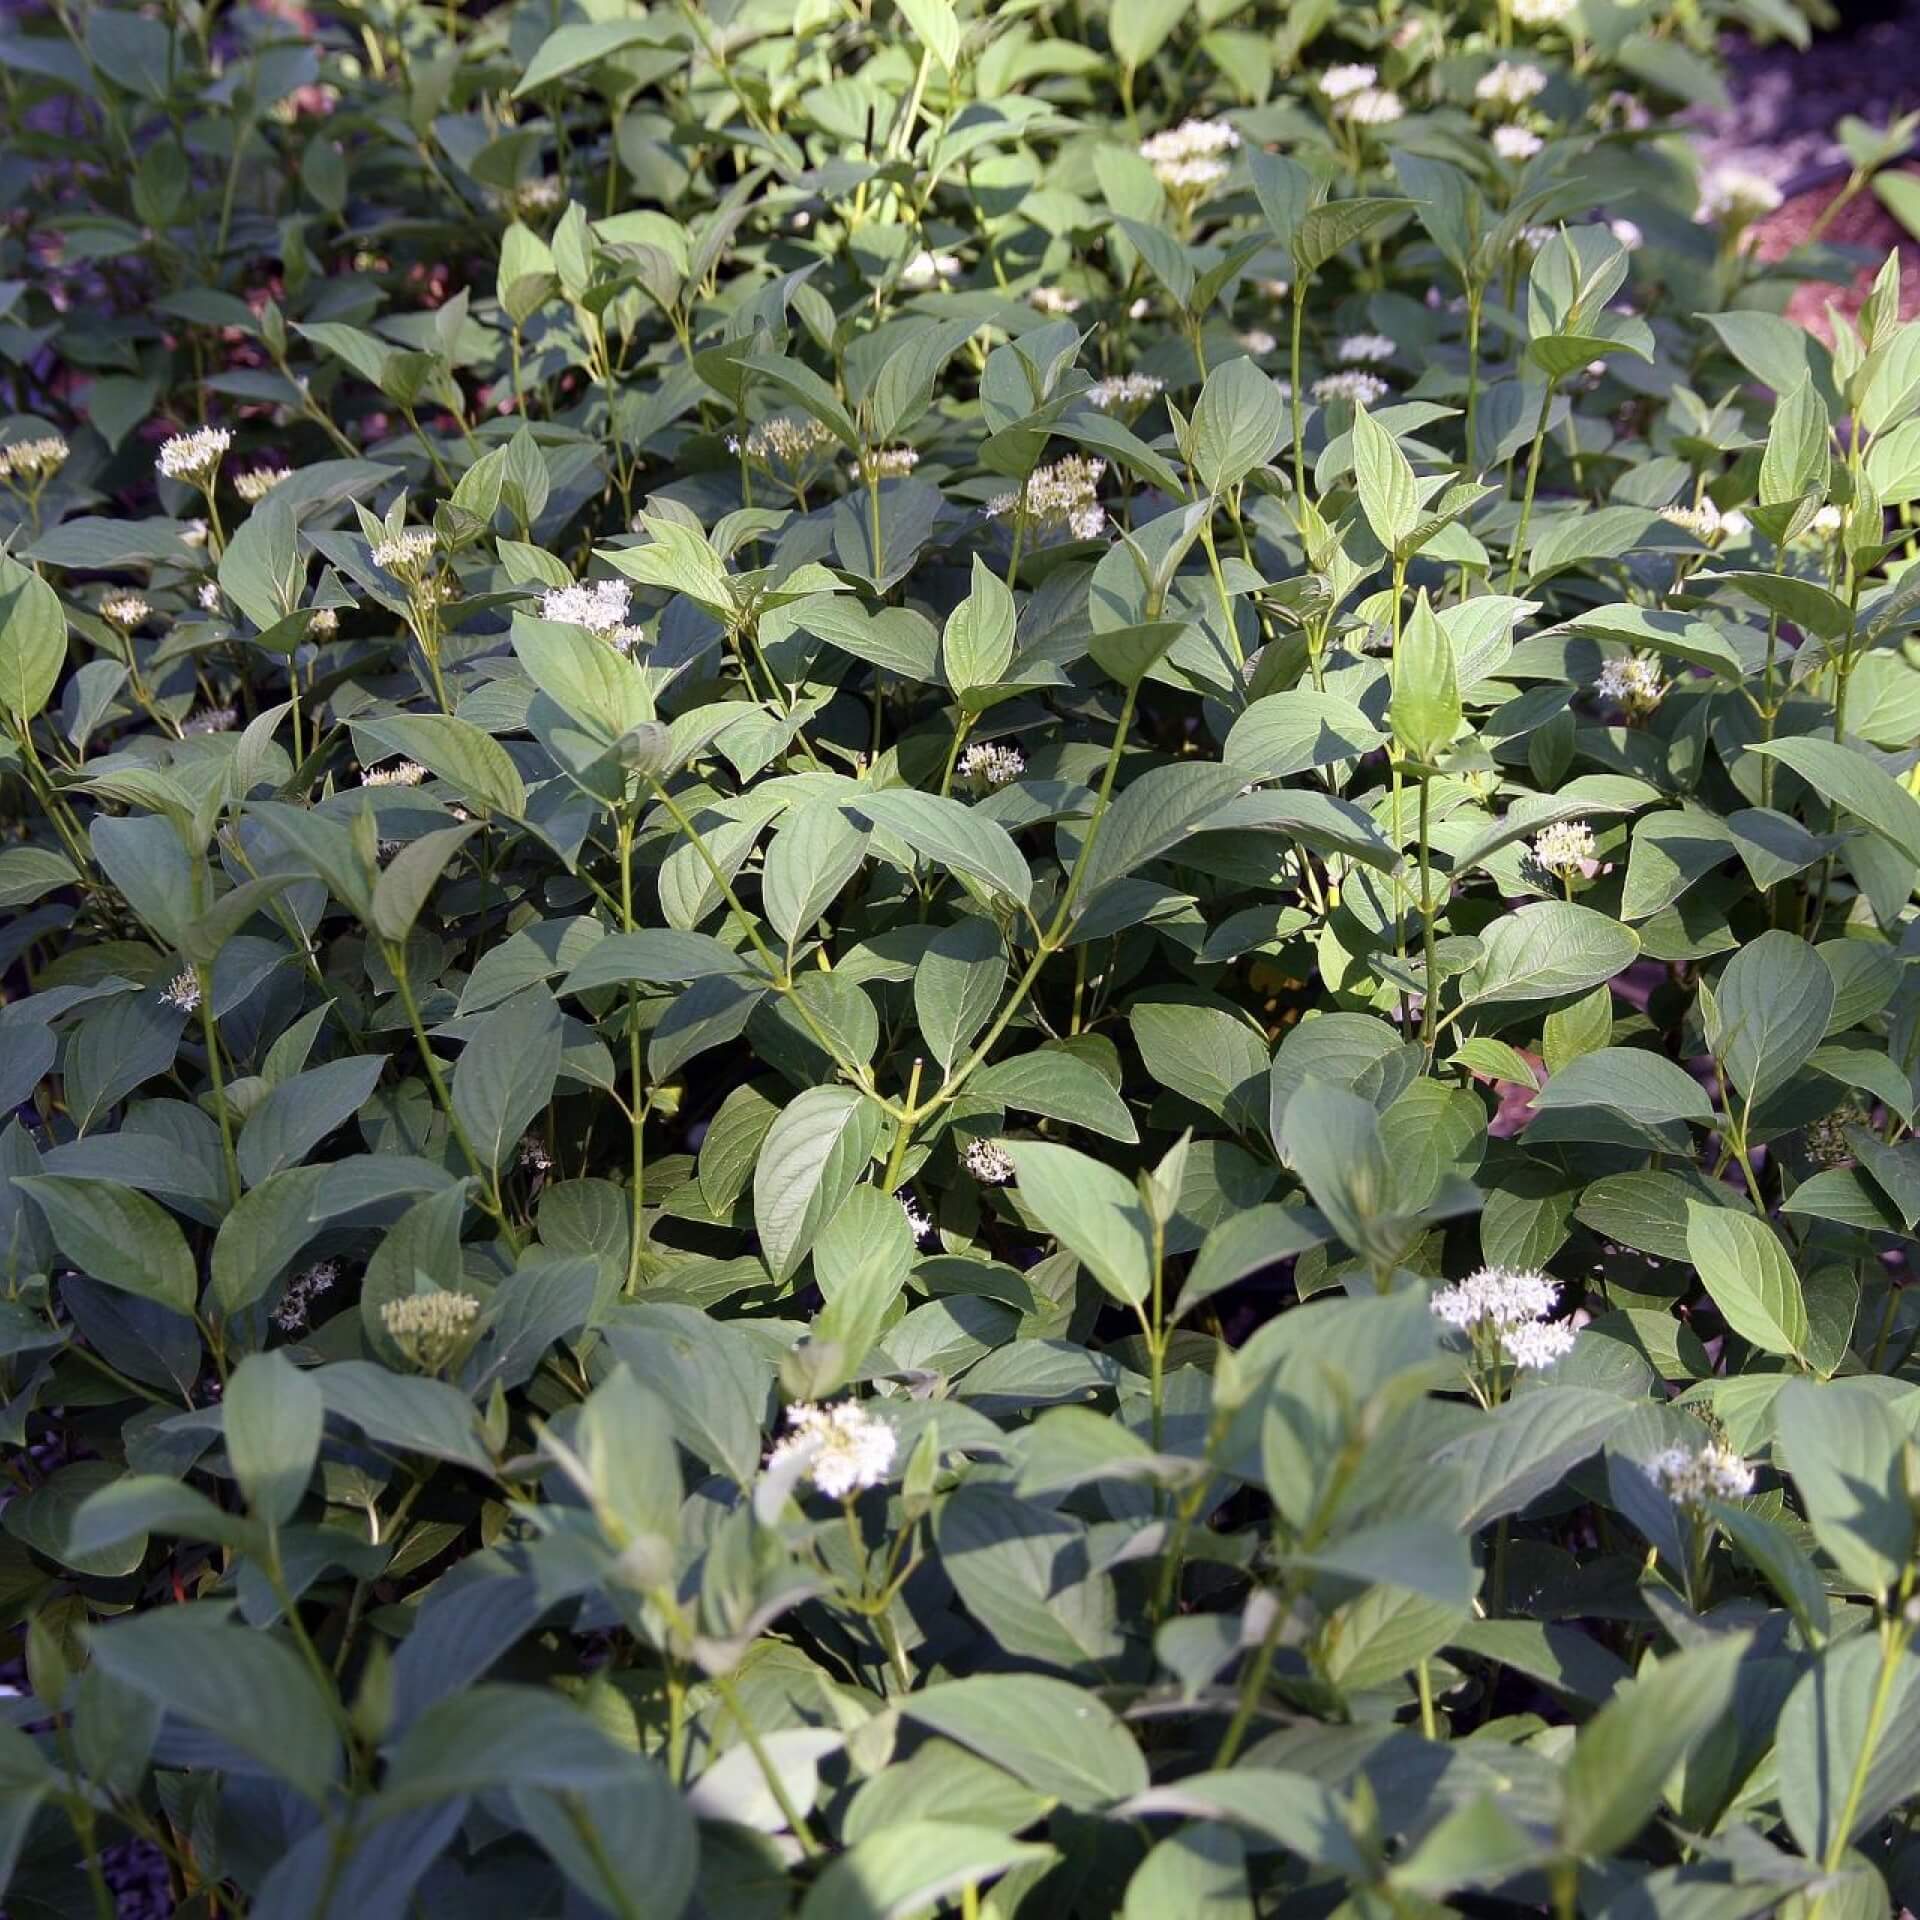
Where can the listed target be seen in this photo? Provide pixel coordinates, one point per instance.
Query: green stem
(1533, 478)
(1293, 365)
(730, 1695)
(203, 979)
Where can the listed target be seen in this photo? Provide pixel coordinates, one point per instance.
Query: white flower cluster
(1510, 84)
(1372, 107)
(925, 268)
(787, 440)
(1542, 13)
(1274, 289)
(1053, 300)
(257, 482)
(1706, 522)
(183, 991)
(989, 1162)
(1827, 522)
(1259, 342)
(1714, 1472)
(992, 765)
(1366, 346)
(1564, 847)
(890, 463)
(1532, 239)
(1365, 388)
(1516, 143)
(540, 195)
(1510, 1305)
(598, 605)
(1343, 82)
(407, 551)
(34, 460)
(1058, 499)
(124, 610)
(1190, 158)
(428, 1326)
(194, 456)
(847, 1449)
(403, 773)
(917, 1222)
(1125, 391)
(1737, 196)
(209, 597)
(295, 1310)
(210, 720)
(1628, 234)
(1633, 681)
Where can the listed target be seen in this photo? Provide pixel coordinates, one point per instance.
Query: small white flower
(403, 773)
(924, 268)
(209, 597)
(1634, 681)
(427, 1327)
(1365, 346)
(539, 195)
(1627, 233)
(1715, 1472)
(917, 1222)
(296, 1305)
(889, 463)
(1140, 308)
(194, 456)
(1516, 143)
(255, 484)
(1052, 300)
(193, 533)
(34, 460)
(1705, 522)
(1190, 158)
(1366, 388)
(1538, 1344)
(1274, 289)
(1343, 82)
(1562, 848)
(124, 610)
(183, 991)
(1532, 239)
(1125, 391)
(1259, 342)
(1826, 522)
(1737, 196)
(406, 552)
(989, 1162)
(598, 605)
(1542, 13)
(846, 1448)
(1497, 1296)
(992, 765)
(1057, 499)
(210, 720)
(791, 441)
(325, 622)
(1735, 525)
(1373, 107)
(1510, 83)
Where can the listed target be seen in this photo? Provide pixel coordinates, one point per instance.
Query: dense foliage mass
(954, 957)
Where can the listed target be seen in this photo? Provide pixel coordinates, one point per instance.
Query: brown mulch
(1864, 224)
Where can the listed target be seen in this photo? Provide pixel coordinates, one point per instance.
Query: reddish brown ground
(1862, 223)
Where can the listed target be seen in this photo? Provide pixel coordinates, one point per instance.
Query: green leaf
(913, 1867)
(1389, 493)
(1852, 1716)
(1092, 1211)
(1060, 1086)
(936, 26)
(568, 49)
(458, 753)
(1795, 462)
(33, 641)
(958, 984)
(1331, 1137)
(1750, 1276)
(1774, 1000)
(813, 1154)
(1546, 949)
(1852, 781)
(1282, 734)
(977, 644)
(507, 1074)
(951, 834)
(1426, 711)
(1621, 1760)
(272, 1416)
(1060, 1739)
(117, 1236)
(299, 1113)
(1238, 424)
(1845, 1451)
(1324, 230)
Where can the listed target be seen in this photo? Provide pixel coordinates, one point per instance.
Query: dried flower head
(989, 1162)
(1373, 107)
(295, 1311)
(534, 1157)
(1826, 1138)
(210, 720)
(1694, 1476)
(992, 765)
(183, 991)
(1365, 346)
(1058, 499)
(1516, 143)
(324, 624)
(1563, 847)
(846, 1448)
(1510, 83)
(195, 456)
(124, 610)
(791, 441)
(1366, 388)
(1124, 392)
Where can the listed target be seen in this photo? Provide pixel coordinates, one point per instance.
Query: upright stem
(1533, 478)
(1293, 368)
(203, 979)
(636, 1085)
(1476, 294)
(1427, 946)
